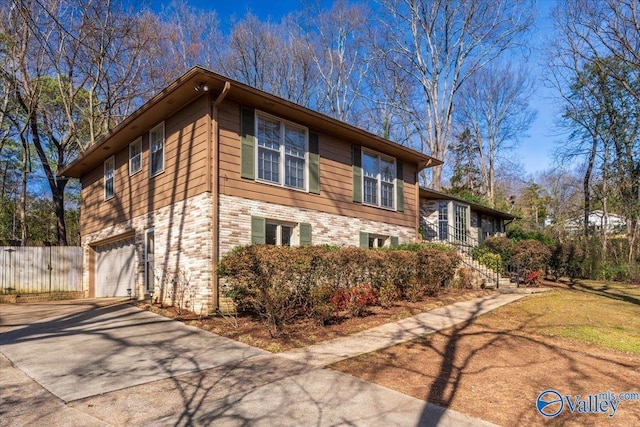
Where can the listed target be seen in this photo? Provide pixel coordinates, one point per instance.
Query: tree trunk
(23, 193)
(58, 207)
(56, 184)
(436, 177)
(605, 207)
(491, 187)
(585, 185)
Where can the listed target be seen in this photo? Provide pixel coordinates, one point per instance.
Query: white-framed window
(149, 259)
(279, 234)
(378, 176)
(376, 241)
(156, 149)
(281, 157)
(109, 177)
(135, 156)
(460, 222)
(443, 221)
(266, 231)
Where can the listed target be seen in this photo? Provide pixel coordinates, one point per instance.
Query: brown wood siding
(184, 175)
(335, 177)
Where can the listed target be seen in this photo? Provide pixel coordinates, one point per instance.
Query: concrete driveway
(118, 365)
(99, 350)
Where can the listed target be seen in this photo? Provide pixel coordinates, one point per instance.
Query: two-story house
(209, 164)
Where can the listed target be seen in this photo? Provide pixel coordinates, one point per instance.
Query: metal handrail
(468, 242)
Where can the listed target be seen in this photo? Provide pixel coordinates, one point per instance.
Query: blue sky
(535, 151)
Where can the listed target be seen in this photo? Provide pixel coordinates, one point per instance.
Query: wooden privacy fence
(36, 269)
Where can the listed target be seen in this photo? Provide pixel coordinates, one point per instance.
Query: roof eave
(244, 92)
(476, 206)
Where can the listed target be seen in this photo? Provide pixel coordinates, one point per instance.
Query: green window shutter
(258, 230)
(305, 233)
(364, 240)
(356, 161)
(248, 143)
(314, 164)
(395, 241)
(399, 186)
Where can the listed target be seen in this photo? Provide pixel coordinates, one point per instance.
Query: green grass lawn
(606, 315)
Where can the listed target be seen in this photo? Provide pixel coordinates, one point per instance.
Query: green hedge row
(282, 283)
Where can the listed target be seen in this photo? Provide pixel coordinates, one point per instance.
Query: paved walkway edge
(390, 334)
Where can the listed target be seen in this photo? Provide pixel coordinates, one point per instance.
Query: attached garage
(114, 268)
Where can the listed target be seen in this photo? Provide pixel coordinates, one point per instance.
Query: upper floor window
(379, 173)
(282, 152)
(156, 148)
(109, 177)
(135, 156)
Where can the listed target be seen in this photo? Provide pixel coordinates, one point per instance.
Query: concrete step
(505, 283)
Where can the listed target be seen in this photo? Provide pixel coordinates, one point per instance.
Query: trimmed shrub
(530, 256)
(487, 258)
(281, 284)
(266, 281)
(499, 245)
(435, 269)
(415, 247)
(566, 260)
(465, 278)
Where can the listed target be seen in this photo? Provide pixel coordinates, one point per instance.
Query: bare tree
(189, 37)
(564, 191)
(74, 69)
(595, 66)
(340, 54)
(270, 57)
(494, 105)
(439, 44)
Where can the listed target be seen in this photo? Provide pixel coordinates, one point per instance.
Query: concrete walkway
(118, 365)
(389, 334)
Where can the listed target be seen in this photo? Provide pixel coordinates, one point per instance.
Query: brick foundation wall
(183, 243)
(330, 229)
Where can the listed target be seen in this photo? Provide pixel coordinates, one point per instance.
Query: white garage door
(114, 268)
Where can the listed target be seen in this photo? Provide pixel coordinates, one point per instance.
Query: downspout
(417, 201)
(215, 192)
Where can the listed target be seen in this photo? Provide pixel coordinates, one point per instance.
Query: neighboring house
(614, 223)
(446, 218)
(209, 164)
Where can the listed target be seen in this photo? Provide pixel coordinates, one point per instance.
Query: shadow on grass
(617, 293)
(457, 349)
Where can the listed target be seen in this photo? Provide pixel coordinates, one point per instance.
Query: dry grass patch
(494, 367)
(601, 314)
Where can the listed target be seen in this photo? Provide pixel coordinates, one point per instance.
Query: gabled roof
(181, 92)
(428, 193)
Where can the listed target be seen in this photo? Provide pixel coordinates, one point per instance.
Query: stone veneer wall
(429, 218)
(474, 231)
(183, 241)
(331, 229)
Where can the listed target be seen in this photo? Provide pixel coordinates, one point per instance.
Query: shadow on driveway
(99, 350)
